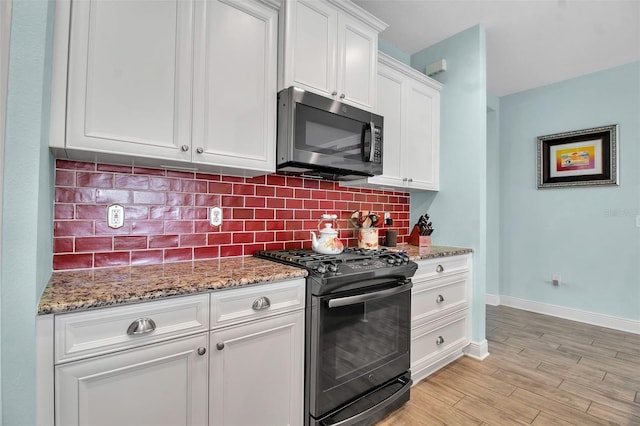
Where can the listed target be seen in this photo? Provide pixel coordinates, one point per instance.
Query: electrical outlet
(215, 216)
(115, 216)
(387, 219)
(556, 279)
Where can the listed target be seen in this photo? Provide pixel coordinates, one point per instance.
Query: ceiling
(530, 43)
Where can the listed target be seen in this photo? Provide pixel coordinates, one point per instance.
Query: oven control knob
(322, 268)
(333, 267)
(390, 261)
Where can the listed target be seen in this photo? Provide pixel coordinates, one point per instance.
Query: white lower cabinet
(166, 363)
(440, 315)
(257, 372)
(161, 384)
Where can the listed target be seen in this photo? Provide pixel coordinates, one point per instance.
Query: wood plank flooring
(542, 371)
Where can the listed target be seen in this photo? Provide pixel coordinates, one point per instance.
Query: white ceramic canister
(368, 238)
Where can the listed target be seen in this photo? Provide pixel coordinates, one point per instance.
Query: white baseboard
(617, 323)
(492, 299)
(477, 350)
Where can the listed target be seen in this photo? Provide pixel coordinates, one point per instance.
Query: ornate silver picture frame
(578, 158)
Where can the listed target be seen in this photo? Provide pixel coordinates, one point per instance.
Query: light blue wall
(586, 234)
(493, 195)
(459, 209)
(27, 204)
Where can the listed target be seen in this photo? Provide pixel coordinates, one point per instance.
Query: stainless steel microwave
(323, 138)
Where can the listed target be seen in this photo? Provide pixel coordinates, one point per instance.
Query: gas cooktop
(330, 271)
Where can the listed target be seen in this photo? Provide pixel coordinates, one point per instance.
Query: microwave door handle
(360, 298)
(367, 143)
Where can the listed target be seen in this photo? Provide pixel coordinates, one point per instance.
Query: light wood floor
(542, 370)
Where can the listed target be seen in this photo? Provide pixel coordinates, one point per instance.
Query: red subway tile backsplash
(167, 214)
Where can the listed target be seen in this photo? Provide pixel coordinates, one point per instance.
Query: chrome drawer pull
(220, 346)
(202, 351)
(261, 303)
(439, 268)
(141, 326)
(440, 298)
(439, 340)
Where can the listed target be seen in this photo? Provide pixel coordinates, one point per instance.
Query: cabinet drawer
(85, 334)
(441, 266)
(239, 305)
(430, 342)
(430, 299)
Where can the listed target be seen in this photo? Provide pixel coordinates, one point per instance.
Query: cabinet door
(310, 46)
(235, 85)
(357, 62)
(390, 92)
(129, 80)
(161, 384)
(256, 373)
(422, 138)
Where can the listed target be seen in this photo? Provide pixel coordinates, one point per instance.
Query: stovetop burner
(331, 271)
(310, 259)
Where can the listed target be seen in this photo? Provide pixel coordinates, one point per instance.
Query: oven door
(359, 341)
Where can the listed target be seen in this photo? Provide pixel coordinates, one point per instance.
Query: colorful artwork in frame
(579, 158)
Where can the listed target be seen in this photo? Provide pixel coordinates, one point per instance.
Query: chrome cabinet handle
(220, 346)
(334, 93)
(261, 303)
(439, 268)
(404, 179)
(185, 148)
(439, 340)
(199, 150)
(440, 298)
(202, 351)
(342, 96)
(410, 180)
(141, 326)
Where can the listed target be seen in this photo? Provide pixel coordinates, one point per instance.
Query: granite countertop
(69, 291)
(421, 253)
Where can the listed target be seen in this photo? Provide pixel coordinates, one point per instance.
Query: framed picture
(579, 158)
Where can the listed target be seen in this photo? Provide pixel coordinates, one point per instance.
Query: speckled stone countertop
(422, 253)
(69, 291)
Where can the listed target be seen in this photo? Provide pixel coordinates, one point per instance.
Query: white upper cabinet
(166, 83)
(330, 47)
(422, 136)
(235, 84)
(409, 101)
(130, 77)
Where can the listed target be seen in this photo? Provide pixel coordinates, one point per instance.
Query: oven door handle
(359, 298)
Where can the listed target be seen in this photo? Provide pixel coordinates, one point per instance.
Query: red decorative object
(415, 239)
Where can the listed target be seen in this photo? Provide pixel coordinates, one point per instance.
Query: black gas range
(357, 339)
(351, 269)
